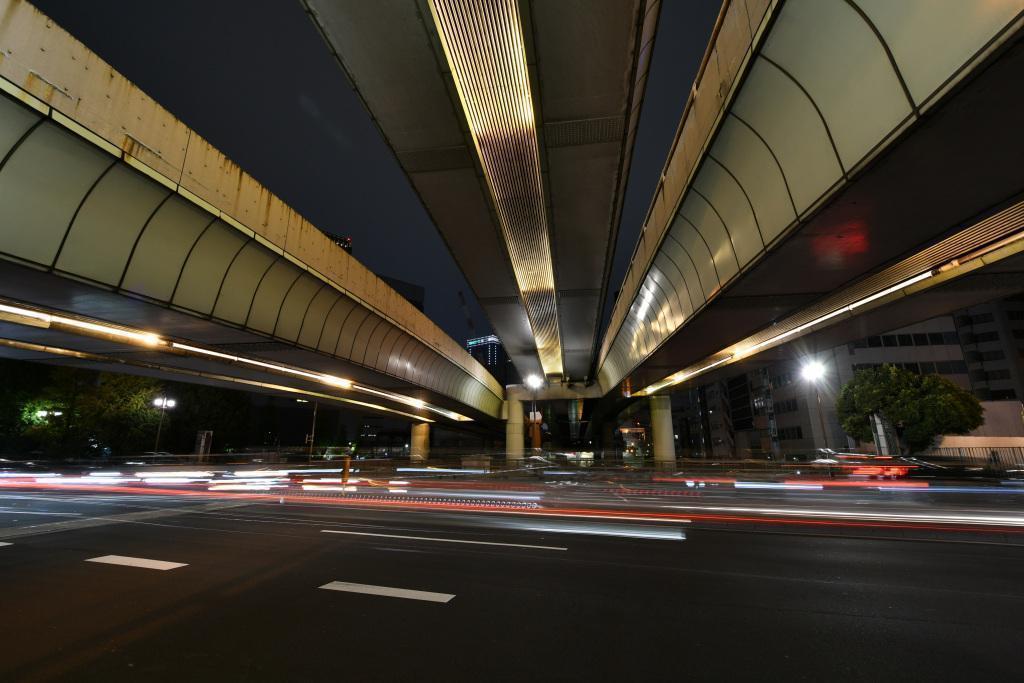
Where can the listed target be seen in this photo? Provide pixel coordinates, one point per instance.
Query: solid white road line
(15, 511)
(367, 589)
(137, 562)
(942, 518)
(2, 543)
(618, 531)
(444, 540)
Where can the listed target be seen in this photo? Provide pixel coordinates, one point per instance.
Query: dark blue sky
(255, 79)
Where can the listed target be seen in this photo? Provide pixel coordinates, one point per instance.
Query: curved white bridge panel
(826, 87)
(70, 208)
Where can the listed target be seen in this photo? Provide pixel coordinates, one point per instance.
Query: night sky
(255, 79)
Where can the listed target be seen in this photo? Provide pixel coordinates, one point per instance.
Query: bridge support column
(419, 442)
(662, 437)
(514, 432)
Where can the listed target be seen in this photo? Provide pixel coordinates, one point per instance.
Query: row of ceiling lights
(34, 317)
(484, 47)
(743, 350)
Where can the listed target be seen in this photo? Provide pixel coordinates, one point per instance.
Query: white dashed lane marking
(137, 562)
(443, 540)
(367, 589)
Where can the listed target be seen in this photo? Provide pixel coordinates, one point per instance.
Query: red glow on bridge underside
(835, 249)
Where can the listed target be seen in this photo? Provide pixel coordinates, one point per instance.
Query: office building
(414, 294)
(992, 336)
(489, 352)
(773, 410)
(343, 242)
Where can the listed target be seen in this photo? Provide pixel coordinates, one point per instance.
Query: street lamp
(814, 372)
(163, 403)
(534, 382)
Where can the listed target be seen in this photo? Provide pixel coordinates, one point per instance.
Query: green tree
(119, 413)
(76, 412)
(21, 381)
(62, 393)
(919, 407)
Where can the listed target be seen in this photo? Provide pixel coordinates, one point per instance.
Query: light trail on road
(807, 504)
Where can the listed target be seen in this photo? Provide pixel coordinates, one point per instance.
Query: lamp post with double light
(163, 403)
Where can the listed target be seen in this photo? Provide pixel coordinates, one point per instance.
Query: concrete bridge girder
(779, 184)
(100, 185)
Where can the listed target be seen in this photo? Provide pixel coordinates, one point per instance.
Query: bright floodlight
(534, 382)
(164, 402)
(813, 371)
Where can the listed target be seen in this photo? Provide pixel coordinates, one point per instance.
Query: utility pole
(814, 372)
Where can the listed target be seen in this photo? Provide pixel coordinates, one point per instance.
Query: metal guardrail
(993, 458)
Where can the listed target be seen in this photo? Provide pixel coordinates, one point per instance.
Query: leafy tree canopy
(60, 411)
(919, 407)
(77, 412)
(121, 413)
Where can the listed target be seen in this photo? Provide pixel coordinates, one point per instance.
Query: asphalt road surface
(109, 587)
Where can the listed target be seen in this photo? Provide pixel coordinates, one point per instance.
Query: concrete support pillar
(662, 437)
(514, 431)
(419, 442)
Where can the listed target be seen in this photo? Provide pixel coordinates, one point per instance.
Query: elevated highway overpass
(834, 155)
(129, 242)
(514, 122)
(840, 165)
(825, 147)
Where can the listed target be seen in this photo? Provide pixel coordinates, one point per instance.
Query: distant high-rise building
(486, 350)
(489, 352)
(414, 294)
(343, 242)
(773, 409)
